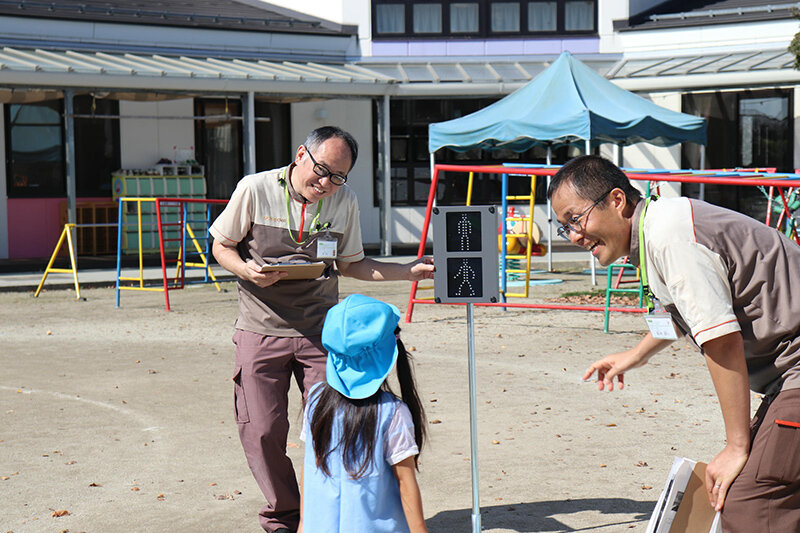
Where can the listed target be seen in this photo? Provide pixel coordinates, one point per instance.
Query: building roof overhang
(55, 69)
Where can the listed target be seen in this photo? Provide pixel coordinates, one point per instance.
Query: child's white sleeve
(305, 423)
(399, 442)
(311, 392)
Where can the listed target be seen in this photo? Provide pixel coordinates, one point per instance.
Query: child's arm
(405, 472)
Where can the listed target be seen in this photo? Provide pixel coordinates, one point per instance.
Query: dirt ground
(123, 417)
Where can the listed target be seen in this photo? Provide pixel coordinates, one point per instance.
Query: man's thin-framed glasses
(322, 171)
(574, 222)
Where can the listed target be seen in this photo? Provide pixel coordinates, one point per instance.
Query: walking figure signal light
(465, 254)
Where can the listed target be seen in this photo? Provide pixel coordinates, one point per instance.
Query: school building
(92, 91)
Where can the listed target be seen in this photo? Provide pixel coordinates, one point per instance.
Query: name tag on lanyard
(660, 323)
(326, 246)
(658, 320)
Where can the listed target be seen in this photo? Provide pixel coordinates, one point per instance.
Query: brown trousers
(765, 498)
(264, 368)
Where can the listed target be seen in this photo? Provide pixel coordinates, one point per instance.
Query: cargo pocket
(239, 401)
(780, 462)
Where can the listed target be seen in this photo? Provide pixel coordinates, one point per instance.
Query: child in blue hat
(362, 441)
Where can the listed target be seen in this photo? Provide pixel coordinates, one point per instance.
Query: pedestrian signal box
(465, 254)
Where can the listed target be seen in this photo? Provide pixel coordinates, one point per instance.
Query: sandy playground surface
(123, 417)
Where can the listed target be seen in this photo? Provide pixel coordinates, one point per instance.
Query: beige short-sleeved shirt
(257, 221)
(717, 272)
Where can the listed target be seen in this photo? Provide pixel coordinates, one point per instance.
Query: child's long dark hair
(360, 420)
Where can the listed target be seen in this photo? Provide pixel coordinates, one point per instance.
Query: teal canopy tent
(566, 103)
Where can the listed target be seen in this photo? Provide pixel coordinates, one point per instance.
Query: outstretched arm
(617, 364)
(406, 476)
(369, 269)
(726, 364)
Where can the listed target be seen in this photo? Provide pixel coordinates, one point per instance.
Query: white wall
(3, 192)
(145, 141)
(607, 12)
(738, 37)
(357, 12)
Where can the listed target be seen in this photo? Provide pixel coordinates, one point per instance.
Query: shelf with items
(186, 169)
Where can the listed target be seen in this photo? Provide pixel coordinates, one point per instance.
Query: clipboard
(296, 270)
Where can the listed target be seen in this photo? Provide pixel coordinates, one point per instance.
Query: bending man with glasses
(729, 283)
(300, 212)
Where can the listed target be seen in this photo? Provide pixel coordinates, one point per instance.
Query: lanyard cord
(314, 222)
(648, 294)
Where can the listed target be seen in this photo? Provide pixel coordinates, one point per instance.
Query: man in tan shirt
(730, 284)
(301, 212)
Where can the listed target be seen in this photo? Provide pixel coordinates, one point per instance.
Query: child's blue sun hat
(362, 348)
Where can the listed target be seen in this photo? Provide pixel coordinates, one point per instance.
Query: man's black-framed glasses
(574, 222)
(322, 171)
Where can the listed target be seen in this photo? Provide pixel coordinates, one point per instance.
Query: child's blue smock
(339, 503)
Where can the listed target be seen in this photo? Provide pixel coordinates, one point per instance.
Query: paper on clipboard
(296, 270)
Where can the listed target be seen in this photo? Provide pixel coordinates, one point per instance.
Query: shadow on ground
(547, 516)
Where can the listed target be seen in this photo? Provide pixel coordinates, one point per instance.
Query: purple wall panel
(465, 48)
(581, 46)
(389, 49)
(543, 46)
(427, 48)
(499, 48)
(478, 48)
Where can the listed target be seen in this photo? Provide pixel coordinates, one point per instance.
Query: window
(427, 18)
(579, 16)
(273, 138)
(97, 145)
(421, 19)
(35, 150)
(542, 16)
(763, 123)
(464, 18)
(390, 18)
(748, 129)
(219, 145)
(410, 159)
(505, 17)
